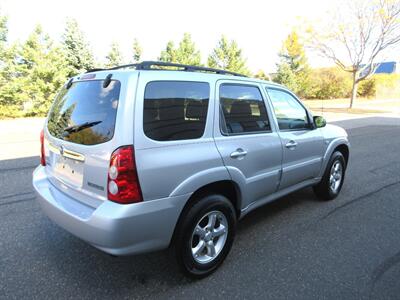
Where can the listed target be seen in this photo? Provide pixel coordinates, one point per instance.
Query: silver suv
(142, 157)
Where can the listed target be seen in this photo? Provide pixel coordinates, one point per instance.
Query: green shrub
(329, 83)
(380, 86)
(387, 86)
(367, 88)
(11, 111)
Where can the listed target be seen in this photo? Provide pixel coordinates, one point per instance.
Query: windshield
(85, 113)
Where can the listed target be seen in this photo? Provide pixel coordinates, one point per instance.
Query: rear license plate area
(68, 170)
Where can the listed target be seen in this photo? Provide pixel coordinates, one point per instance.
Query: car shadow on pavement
(77, 260)
(278, 206)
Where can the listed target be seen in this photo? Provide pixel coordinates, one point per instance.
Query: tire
(187, 241)
(325, 189)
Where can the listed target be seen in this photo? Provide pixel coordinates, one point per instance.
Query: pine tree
(293, 69)
(77, 50)
(169, 54)
(3, 43)
(286, 77)
(40, 69)
(228, 56)
(262, 75)
(7, 69)
(137, 51)
(186, 53)
(3, 29)
(4, 50)
(114, 57)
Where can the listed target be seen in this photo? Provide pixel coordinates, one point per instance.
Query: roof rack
(157, 65)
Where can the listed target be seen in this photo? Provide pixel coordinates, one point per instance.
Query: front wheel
(205, 235)
(332, 181)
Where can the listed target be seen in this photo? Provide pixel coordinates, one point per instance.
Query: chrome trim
(67, 153)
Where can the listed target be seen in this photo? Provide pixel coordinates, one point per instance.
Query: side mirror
(319, 121)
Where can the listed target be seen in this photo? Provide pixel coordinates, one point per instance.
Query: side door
(303, 144)
(247, 139)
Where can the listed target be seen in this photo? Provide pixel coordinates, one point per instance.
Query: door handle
(239, 153)
(291, 144)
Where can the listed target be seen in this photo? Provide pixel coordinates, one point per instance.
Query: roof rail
(157, 65)
(95, 70)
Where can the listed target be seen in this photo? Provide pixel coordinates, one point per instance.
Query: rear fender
(200, 179)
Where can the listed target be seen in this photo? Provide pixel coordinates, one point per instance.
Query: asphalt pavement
(294, 248)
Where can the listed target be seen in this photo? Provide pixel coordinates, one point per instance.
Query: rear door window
(243, 109)
(175, 110)
(85, 113)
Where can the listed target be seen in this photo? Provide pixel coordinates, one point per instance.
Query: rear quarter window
(85, 113)
(175, 110)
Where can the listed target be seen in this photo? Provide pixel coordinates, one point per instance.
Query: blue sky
(258, 26)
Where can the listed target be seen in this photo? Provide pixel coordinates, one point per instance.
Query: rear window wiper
(76, 128)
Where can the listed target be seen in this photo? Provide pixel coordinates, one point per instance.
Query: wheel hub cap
(335, 177)
(209, 237)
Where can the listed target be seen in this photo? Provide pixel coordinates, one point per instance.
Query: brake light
(42, 155)
(123, 182)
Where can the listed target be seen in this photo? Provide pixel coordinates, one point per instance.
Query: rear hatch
(80, 137)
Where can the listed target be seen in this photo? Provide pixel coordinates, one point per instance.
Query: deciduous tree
(358, 36)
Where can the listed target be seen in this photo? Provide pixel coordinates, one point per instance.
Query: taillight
(42, 155)
(123, 182)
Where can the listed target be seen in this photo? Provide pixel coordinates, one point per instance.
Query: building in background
(388, 67)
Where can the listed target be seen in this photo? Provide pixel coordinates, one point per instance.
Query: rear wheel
(332, 181)
(205, 235)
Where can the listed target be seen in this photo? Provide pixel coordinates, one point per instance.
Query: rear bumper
(114, 228)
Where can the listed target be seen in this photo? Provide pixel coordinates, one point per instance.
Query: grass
(349, 110)
(360, 106)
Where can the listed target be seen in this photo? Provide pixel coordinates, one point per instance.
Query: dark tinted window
(243, 109)
(175, 110)
(291, 115)
(85, 113)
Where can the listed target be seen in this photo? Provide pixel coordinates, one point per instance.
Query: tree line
(32, 71)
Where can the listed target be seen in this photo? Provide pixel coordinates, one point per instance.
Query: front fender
(333, 144)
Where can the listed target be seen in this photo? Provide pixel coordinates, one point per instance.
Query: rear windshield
(85, 113)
